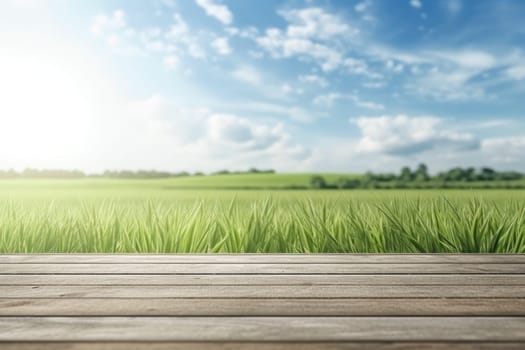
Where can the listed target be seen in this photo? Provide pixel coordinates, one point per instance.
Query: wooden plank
(262, 307)
(262, 258)
(240, 280)
(362, 291)
(256, 329)
(264, 346)
(262, 268)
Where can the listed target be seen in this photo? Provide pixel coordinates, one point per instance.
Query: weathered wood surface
(332, 301)
(263, 346)
(267, 292)
(263, 280)
(245, 328)
(262, 307)
(258, 268)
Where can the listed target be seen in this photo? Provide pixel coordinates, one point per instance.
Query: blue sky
(294, 85)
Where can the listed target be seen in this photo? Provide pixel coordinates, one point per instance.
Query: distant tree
(317, 182)
(455, 174)
(470, 174)
(345, 183)
(488, 174)
(406, 174)
(421, 173)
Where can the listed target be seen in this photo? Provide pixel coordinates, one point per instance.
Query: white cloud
(315, 23)
(247, 33)
(516, 72)
(309, 34)
(362, 6)
(392, 66)
(468, 59)
(287, 89)
(494, 123)
(314, 79)
(504, 150)
(328, 100)
(116, 33)
(175, 40)
(374, 84)
(243, 134)
(202, 139)
(280, 45)
(103, 23)
(216, 10)
(178, 28)
(293, 112)
(416, 3)
(454, 6)
(248, 74)
(359, 67)
(222, 46)
(402, 135)
(366, 104)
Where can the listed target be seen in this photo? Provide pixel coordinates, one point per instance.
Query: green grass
(150, 216)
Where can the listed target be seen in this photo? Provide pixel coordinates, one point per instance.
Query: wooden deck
(262, 302)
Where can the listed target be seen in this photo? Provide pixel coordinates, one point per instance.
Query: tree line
(420, 178)
(120, 174)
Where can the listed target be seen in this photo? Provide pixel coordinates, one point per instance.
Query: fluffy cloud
(328, 100)
(467, 59)
(416, 3)
(171, 43)
(103, 23)
(402, 135)
(315, 79)
(454, 6)
(248, 74)
(242, 134)
(516, 72)
(504, 150)
(309, 34)
(315, 23)
(222, 46)
(218, 11)
(362, 6)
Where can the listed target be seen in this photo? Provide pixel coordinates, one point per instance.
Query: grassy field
(101, 215)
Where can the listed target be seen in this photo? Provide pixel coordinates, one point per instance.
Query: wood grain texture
(264, 346)
(262, 329)
(262, 307)
(195, 301)
(270, 292)
(242, 269)
(267, 280)
(262, 258)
